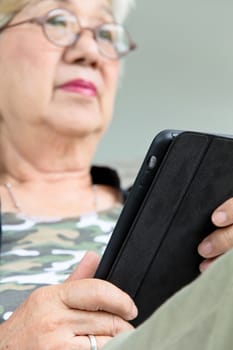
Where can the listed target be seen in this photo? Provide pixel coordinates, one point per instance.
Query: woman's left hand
(221, 240)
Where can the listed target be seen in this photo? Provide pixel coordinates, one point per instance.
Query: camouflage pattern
(38, 252)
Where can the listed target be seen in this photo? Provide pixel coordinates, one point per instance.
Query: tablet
(153, 249)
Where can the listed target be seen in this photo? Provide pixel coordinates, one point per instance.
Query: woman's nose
(84, 50)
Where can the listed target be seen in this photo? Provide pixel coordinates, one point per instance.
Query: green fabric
(199, 317)
(37, 252)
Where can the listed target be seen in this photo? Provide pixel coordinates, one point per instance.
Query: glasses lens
(61, 27)
(113, 40)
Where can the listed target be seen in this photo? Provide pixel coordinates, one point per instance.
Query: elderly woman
(59, 69)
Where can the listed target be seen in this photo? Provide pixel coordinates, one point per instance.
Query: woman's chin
(76, 120)
(76, 126)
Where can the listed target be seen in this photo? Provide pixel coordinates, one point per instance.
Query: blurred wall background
(180, 77)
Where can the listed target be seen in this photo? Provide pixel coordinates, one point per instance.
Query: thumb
(86, 268)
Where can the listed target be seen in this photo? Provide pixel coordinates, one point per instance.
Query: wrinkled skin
(60, 317)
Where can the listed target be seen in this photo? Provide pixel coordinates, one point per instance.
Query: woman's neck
(51, 177)
(49, 160)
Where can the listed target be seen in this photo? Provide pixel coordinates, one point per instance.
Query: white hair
(121, 9)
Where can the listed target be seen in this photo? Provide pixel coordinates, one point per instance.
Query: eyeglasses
(62, 28)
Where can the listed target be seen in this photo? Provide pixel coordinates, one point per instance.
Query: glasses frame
(41, 21)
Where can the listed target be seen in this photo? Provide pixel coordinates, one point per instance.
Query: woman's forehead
(95, 5)
(93, 9)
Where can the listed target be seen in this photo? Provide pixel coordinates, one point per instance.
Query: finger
(95, 295)
(88, 322)
(66, 341)
(218, 242)
(223, 215)
(86, 267)
(83, 342)
(205, 264)
(98, 323)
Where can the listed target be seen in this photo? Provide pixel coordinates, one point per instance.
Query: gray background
(180, 77)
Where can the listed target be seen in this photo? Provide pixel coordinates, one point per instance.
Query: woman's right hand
(61, 316)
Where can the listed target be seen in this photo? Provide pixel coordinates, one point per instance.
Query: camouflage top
(37, 252)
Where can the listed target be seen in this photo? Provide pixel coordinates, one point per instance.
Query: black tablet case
(159, 254)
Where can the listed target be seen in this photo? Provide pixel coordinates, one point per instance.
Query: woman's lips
(81, 87)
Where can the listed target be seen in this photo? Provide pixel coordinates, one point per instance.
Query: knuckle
(119, 325)
(48, 317)
(36, 297)
(224, 241)
(116, 325)
(100, 292)
(228, 237)
(104, 292)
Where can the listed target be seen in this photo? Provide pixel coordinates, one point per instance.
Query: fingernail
(219, 217)
(134, 312)
(205, 248)
(203, 267)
